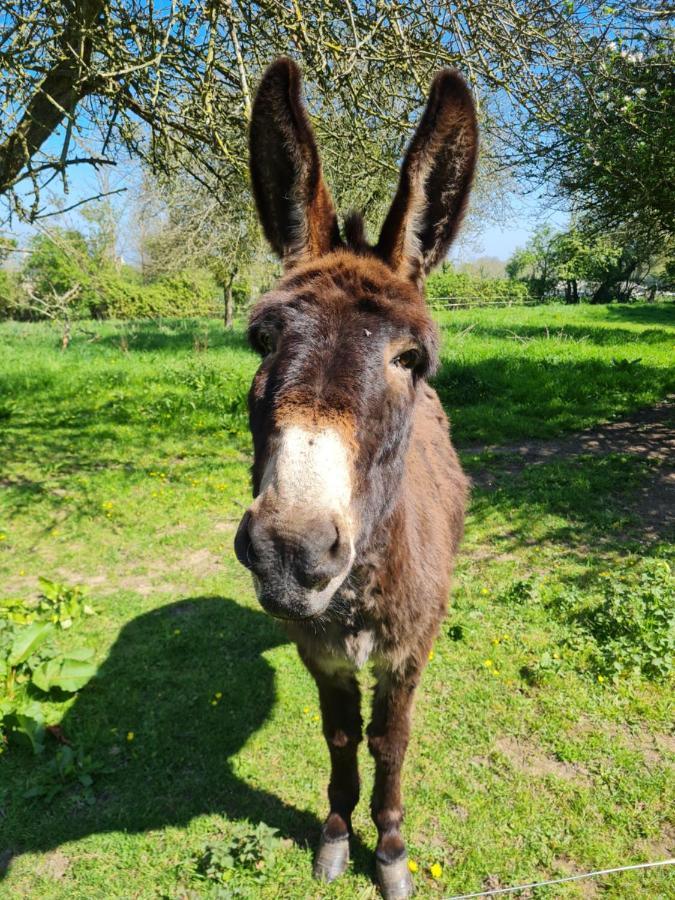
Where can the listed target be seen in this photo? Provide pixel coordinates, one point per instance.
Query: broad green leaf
(66, 672)
(50, 589)
(29, 721)
(28, 640)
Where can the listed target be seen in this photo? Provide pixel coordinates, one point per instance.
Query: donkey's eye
(267, 342)
(407, 360)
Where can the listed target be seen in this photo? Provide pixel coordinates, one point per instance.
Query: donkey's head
(345, 339)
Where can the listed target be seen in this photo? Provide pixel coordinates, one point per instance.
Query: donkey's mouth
(297, 610)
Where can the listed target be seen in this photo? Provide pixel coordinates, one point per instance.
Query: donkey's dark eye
(266, 341)
(407, 360)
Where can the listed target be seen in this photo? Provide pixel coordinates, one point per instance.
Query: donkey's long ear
(435, 181)
(294, 205)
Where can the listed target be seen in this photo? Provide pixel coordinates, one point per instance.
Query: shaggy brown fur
(347, 344)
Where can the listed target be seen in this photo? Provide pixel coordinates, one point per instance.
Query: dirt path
(649, 433)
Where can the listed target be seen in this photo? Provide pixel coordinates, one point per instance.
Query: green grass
(124, 466)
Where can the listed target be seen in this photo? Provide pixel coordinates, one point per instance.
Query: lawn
(124, 467)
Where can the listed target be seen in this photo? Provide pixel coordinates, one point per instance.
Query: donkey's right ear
(294, 204)
(435, 181)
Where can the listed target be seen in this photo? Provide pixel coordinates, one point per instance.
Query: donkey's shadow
(182, 690)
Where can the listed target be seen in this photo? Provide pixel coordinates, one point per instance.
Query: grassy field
(124, 467)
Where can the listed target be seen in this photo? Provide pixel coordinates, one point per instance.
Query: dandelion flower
(412, 865)
(488, 663)
(431, 655)
(436, 870)
(601, 678)
(218, 695)
(485, 591)
(130, 735)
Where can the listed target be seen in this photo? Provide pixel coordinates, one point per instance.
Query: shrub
(634, 623)
(448, 286)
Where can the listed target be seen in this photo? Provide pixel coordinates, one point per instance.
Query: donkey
(359, 496)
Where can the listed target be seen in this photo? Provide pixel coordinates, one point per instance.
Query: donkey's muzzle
(298, 565)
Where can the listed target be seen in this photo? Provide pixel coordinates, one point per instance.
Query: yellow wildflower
(130, 735)
(431, 655)
(485, 591)
(412, 865)
(601, 678)
(488, 663)
(436, 870)
(218, 695)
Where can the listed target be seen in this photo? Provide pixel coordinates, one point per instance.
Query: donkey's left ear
(294, 204)
(435, 181)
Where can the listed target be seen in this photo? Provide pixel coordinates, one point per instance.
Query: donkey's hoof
(332, 858)
(395, 879)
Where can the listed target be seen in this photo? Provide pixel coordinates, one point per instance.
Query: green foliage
(619, 625)
(10, 296)
(58, 262)
(183, 294)
(606, 263)
(632, 621)
(30, 663)
(69, 768)
(623, 153)
(448, 286)
(62, 604)
(247, 852)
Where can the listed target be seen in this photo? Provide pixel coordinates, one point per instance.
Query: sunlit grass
(124, 466)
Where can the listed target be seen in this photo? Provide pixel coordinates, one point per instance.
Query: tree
(193, 230)
(536, 262)
(609, 148)
(609, 264)
(578, 256)
(56, 262)
(87, 82)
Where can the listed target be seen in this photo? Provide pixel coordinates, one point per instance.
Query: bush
(10, 296)
(124, 296)
(634, 624)
(448, 286)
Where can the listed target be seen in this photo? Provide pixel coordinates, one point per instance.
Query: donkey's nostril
(335, 547)
(243, 545)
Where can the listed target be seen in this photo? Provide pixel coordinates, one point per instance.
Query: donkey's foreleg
(388, 735)
(340, 701)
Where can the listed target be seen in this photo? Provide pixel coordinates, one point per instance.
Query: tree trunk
(575, 291)
(58, 94)
(228, 297)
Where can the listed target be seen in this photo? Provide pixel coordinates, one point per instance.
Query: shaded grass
(159, 431)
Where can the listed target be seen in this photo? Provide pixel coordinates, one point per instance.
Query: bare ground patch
(647, 434)
(529, 758)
